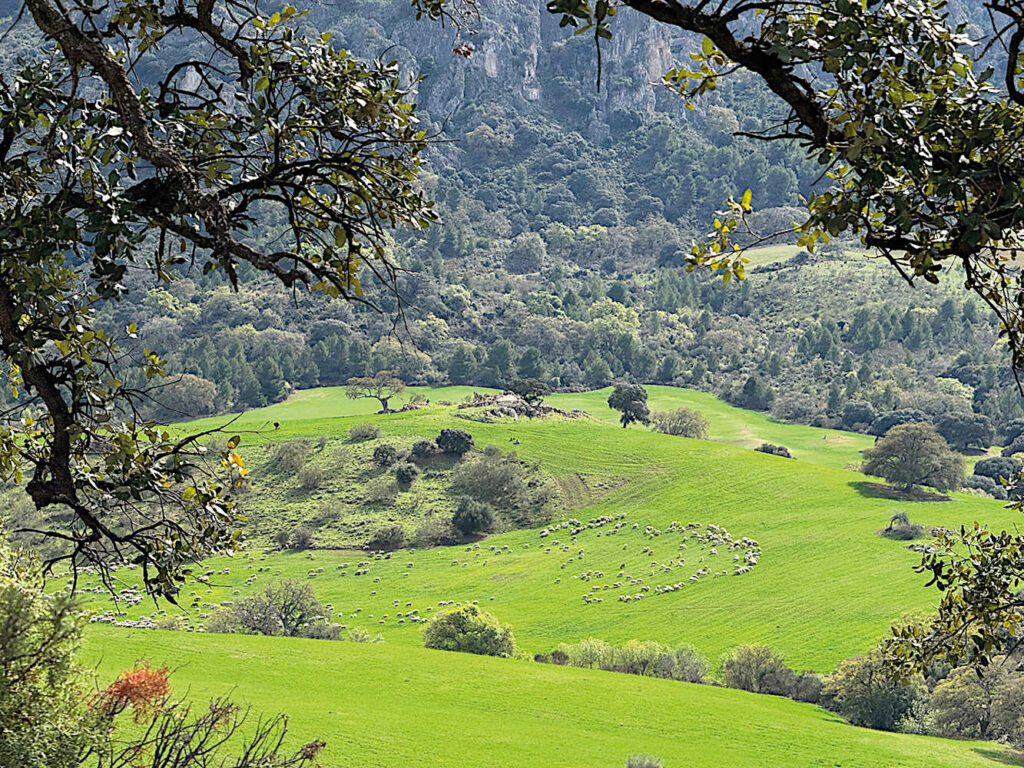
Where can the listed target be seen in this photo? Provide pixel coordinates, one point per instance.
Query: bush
(469, 630)
(282, 537)
(454, 442)
(472, 516)
(999, 467)
(901, 529)
(385, 455)
(887, 421)
(1017, 446)
(301, 538)
(387, 538)
(285, 608)
(774, 450)
(361, 432)
(647, 658)
(643, 761)
(864, 692)
(684, 422)
(755, 668)
(985, 484)
(381, 490)
(507, 484)
(434, 531)
(289, 457)
(858, 415)
(406, 472)
(423, 450)
(362, 635)
(311, 478)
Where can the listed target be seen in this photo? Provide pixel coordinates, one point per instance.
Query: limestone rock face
(521, 59)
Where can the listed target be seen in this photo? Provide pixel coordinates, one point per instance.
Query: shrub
(774, 450)
(381, 490)
(689, 665)
(406, 472)
(423, 450)
(289, 457)
(285, 608)
(469, 630)
(887, 421)
(864, 692)
(454, 442)
(684, 422)
(901, 529)
(507, 484)
(362, 635)
(1017, 446)
(361, 432)
(323, 630)
(643, 761)
(387, 538)
(434, 531)
(472, 516)
(311, 478)
(858, 415)
(282, 537)
(807, 687)
(985, 484)
(999, 467)
(647, 658)
(45, 715)
(302, 538)
(755, 668)
(385, 455)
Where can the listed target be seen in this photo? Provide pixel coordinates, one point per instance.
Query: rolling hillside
(825, 587)
(385, 706)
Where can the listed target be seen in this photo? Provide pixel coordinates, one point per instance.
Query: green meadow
(825, 586)
(390, 706)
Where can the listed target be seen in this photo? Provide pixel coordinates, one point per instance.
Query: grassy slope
(307, 413)
(827, 586)
(379, 705)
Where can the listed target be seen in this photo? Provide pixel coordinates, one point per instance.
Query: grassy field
(316, 412)
(384, 706)
(826, 587)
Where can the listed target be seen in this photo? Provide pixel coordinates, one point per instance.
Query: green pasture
(826, 585)
(391, 706)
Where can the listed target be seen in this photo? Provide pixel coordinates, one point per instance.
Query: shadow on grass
(1006, 757)
(882, 491)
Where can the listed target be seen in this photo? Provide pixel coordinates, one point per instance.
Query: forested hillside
(567, 214)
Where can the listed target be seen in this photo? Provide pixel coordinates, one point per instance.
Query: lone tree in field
(469, 630)
(631, 401)
(380, 387)
(915, 454)
(684, 422)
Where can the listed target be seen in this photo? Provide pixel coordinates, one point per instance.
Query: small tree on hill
(469, 630)
(999, 468)
(454, 442)
(631, 401)
(887, 421)
(381, 387)
(472, 516)
(684, 422)
(915, 454)
(531, 390)
(756, 394)
(858, 415)
(966, 430)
